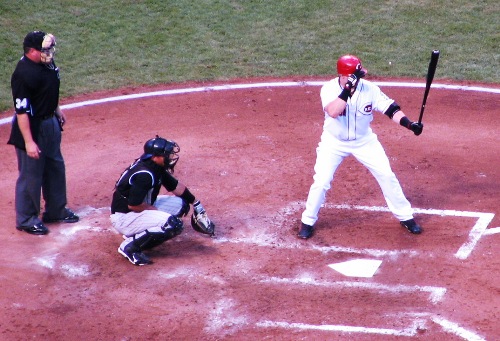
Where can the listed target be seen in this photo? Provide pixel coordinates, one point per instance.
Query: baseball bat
(429, 78)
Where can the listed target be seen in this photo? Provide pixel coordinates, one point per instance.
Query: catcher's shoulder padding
(202, 224)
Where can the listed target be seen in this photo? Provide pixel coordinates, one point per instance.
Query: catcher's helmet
(346, 65)
(159, 146)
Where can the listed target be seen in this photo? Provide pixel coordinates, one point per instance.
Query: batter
(349, 103)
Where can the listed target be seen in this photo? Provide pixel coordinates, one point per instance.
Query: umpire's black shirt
(35, 91)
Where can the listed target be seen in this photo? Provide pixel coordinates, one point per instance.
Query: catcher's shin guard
(151, 239)
(139, 242)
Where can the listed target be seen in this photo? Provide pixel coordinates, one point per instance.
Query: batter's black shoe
(136, 258)
(306, 231)
(411, 226)
(70, 217)
(35, 229)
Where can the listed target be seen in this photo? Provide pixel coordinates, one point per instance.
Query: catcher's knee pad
(173, 227)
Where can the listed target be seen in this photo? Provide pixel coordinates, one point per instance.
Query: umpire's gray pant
(48, 174)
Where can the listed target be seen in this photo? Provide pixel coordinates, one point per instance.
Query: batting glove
(417, 128)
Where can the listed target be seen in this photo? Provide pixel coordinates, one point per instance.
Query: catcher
(145, 218)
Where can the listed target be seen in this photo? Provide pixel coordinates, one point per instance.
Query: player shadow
(183, 248)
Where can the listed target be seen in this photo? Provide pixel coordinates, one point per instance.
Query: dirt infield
(248, 152)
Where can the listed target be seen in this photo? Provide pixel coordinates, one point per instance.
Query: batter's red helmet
(346, 65)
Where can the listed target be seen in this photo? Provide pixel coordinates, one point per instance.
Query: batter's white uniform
(350, 134)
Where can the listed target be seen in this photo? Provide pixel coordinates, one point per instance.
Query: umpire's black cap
(34, 39)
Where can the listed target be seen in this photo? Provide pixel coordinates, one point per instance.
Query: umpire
(36, 136)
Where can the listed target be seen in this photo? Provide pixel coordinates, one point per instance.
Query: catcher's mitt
(201, 223)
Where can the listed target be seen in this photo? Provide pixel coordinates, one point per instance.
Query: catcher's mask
(43, 42)
(348, 64)
(159, 146)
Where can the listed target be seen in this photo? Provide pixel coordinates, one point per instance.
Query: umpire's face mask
(48, 49)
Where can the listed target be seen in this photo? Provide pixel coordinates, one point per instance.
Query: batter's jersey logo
(368, 108)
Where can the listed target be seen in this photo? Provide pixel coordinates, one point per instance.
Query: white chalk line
(410, 331)
(68, 270)
(436, 294)
(267, 240)
(223, 320)
(490, 231)
(463, 252)
(418, 324)
(454, 328)
(474, 235)
(322, 249)
(253, 86)
(71, 270)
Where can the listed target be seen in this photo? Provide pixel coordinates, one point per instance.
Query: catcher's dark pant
(46, 176)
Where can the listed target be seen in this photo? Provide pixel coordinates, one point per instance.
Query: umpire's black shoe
(306, 231)
(35, 229)
(411, 226)
(70, 217)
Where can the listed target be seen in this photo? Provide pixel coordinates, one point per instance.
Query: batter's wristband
(187, 196)
(405, 122)
(344, 95)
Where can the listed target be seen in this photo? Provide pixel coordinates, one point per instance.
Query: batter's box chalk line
(492, 230)
(409, 331)
(477, 231)
(270, 242)
(436, 294)
(418, 324)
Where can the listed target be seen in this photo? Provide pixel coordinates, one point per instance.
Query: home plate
(357, 267)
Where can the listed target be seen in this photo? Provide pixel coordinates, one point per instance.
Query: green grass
(110, 44)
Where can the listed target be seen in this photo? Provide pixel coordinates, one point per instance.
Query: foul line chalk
(436, 294)
(253, 86)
